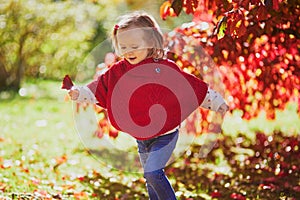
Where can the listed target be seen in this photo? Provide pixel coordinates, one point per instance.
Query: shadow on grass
(122, 161)
(267, 169)
(110, 189)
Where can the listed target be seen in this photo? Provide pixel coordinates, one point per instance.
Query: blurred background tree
(47, 39)
(44, 39)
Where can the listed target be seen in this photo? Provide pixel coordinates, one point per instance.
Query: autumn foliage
(255, 45)
(249, 49)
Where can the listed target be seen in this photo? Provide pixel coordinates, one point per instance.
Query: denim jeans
(154, 154)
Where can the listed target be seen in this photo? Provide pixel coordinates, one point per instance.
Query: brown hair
(140, 19)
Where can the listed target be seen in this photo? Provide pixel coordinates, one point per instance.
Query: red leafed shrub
(255, 46)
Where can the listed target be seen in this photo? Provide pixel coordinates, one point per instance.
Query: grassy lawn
(42, 154)
(40, 149)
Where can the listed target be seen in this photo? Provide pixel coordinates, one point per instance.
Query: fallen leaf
(215, 194)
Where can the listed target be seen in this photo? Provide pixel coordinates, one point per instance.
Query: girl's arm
(82, 94)
(94, 92)
(215, 102)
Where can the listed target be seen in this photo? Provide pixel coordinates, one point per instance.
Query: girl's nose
(130, 53)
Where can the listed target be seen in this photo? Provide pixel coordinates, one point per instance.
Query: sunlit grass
(40, 148)
(287, 121)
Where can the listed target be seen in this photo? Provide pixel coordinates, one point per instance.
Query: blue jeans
(154, 154)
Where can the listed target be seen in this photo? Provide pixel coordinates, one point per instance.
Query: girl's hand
(223, 108)
(74, 94)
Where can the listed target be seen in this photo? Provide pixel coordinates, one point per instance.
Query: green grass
(40, 149)
(36, 131)
(286, 121)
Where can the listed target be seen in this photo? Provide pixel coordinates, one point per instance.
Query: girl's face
(132, 45)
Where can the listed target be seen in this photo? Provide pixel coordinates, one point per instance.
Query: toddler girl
(148, 96)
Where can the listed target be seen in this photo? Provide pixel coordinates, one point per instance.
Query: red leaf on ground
(296, 188)
(275, 5)
(271, 179)
(67, 83)
(59, 161)
(80, 195)
(267, 186)
(3, 186)
(98, 133)
(215, 194)
(81, 178)
(237, 196)
(113, 133)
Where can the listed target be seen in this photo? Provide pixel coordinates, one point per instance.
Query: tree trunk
(3, 77)
(11, 80)
(16, 84)
(17, 76)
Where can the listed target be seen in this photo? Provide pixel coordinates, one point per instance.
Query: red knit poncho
(148, 99)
